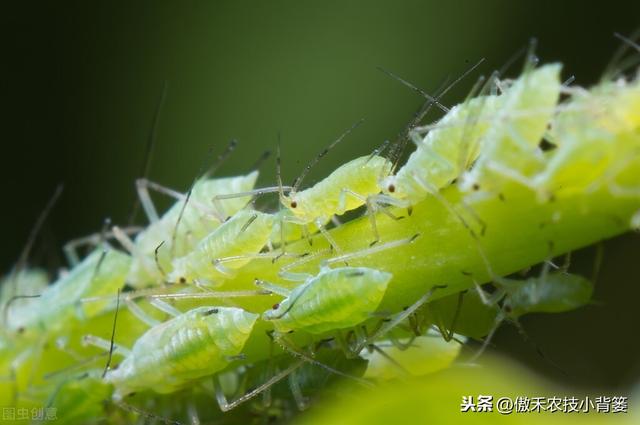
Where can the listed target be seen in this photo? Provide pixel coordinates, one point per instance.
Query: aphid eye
(391, 188)
(507, 308)
(182, 280)
(210, 312)
(20, 330)
(275, 306)
(294, 204)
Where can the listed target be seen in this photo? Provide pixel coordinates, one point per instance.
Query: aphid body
(554, 292)
(334, 299)
(343, 190)
(475, 135)
(242, 236)
(190, 346)
(99, 274)
(197, 221)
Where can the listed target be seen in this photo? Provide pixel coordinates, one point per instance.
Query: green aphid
(166, 239)
(175, 353)
(334, 299)
(102, 273)
(228, 248)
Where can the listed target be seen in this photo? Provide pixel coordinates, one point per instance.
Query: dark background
(80, 82)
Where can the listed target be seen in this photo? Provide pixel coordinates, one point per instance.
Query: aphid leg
(192, 413)
(399, 344)
(487, 340)
(391, 360)
(371, 210)
(285, 272)
(105, 345)
(320, 225)
(294, 351)
(71, 248)
(139, 313)
(301, 401)
(143, 186)
(219, 210)
(369, 251)
(488, 299)
(131, 247)
(218, 262)
(449, 335)
(165, 307)
(400, 317)
(225, 405)
(273, 288)
(208, 295)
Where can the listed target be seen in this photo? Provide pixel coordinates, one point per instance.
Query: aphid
(100, 273)
(240, 238)
(550, 292)
(348, 187)
(334, 299)
(483, 127)
(173, 354)
(599, 126)
(197, 221)
(512, 142)
(427, 354)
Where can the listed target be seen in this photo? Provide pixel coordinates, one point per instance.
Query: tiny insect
(600, 126)
(174, 354)
(197, 220)
(227, 248)
(345, 189)
(550, 292)
(100, 273)
(334, 299)
(471, 132)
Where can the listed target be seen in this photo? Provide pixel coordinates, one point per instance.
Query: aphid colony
(332, 315)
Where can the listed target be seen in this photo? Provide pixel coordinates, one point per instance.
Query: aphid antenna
(225, 405)
(531, 60)
(210, 171)
(74, 367)
(35, 230)
(261, 159)
(402, 139)
(151, 144)
(157, 260)
(13, 299)
(298, 180)
(149, 415)
(231, 146)
(617, 65)
(432, 100)
(568, 82)
(113, 334)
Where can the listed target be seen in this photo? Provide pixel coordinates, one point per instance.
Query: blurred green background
(80, 82)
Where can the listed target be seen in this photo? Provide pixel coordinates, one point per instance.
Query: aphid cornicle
(240, 237)
(175, 353)
(334, 299)
(197, 221)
